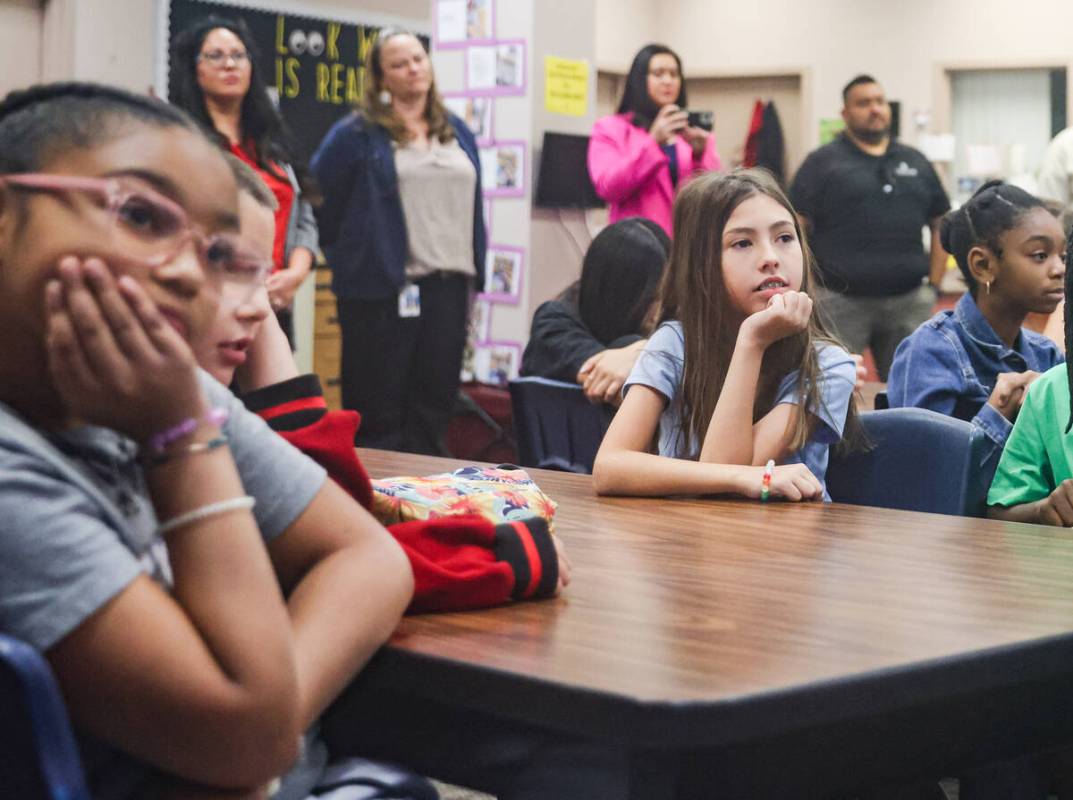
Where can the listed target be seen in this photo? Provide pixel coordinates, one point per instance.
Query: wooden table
(771, 650)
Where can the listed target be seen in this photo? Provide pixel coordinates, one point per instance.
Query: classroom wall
(904, 44)
(563, 28)
(623, 27)
(91, 39)
(21, 22)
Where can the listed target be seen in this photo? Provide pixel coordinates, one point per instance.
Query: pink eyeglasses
(150, 229)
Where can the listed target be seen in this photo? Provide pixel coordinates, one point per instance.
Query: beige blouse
(436, 185)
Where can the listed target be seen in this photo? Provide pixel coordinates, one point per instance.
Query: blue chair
(919, 461)
(555, 426)
(38, 756)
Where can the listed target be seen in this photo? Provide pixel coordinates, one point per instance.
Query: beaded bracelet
(159, 442)
(204, 512)
(765, 485)
(156, 459)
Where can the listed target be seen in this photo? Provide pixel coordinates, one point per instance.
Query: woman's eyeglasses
(149, 229)
(219, 58)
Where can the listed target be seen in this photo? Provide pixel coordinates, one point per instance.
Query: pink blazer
(629, 170)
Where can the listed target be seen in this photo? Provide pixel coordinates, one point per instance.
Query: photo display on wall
(503, 274)
(503, 169)
(460, 23)
(496, 362)
(475, 110)
(492, 68)
(497, 69)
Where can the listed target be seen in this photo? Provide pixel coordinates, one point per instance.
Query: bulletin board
(312, 65)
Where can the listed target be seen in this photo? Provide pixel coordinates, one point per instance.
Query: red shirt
(281, 188)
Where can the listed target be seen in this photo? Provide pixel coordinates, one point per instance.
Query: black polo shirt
(867, 213)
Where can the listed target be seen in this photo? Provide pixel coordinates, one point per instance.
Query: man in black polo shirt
(865, 200)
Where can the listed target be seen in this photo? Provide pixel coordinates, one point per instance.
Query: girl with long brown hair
(741, 371)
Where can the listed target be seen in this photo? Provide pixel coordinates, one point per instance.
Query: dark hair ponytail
(995, 208)
(42, 119)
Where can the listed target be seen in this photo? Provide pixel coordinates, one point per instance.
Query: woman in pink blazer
(640, 156)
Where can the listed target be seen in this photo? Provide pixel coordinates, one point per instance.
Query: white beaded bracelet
(211, 510)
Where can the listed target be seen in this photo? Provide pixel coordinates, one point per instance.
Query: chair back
(38, 756)
(555, 426)
(919, 461)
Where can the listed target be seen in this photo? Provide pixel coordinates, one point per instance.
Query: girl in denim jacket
(976, 361)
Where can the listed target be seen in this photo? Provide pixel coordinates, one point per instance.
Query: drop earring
(384, 97)
(987, 284)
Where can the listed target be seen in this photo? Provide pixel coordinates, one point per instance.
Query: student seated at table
(200, 590)
(594, 331)
(458, 563)
(1034, 480)
(741, 373)
(976, 361)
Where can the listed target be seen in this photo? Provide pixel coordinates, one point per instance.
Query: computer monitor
(563, 178)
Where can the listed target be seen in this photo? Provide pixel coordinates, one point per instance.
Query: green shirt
(1039, 452)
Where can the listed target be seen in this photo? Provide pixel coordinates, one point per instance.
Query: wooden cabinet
(327, 340)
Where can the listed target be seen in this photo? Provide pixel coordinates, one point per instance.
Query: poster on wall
(459, 23)
(497, 68)
(503, 274)
(496, 362)
(566, 86)
(476, 111)
(313, 66)
(503, 169)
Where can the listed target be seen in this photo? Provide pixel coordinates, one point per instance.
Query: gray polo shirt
(77, 526)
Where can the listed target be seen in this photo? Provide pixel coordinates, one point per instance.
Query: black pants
(402, 373)
(473, 749)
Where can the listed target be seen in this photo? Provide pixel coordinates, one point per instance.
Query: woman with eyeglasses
(214, 78)
(640, 156)
(201, 590)
(403, 231)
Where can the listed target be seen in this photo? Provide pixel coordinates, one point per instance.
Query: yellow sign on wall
(566, 86)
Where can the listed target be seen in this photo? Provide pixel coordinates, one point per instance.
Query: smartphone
(701, 119)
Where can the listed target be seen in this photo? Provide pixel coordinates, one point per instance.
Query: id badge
(410, 301)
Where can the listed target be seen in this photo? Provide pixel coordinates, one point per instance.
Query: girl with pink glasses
(201, 591)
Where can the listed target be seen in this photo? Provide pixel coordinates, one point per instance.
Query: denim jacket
(950, 364)
(362, 227)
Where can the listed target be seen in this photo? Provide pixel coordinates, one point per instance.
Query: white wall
(625, 26)
(562, 28)
(905, 45)
(21, 22)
